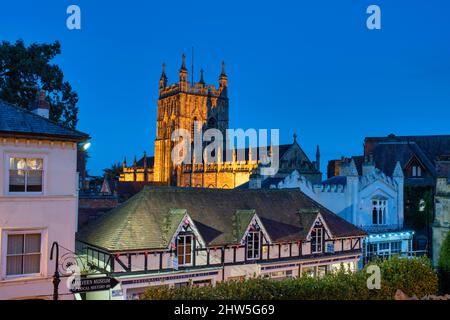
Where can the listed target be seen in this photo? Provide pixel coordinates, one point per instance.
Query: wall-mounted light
(86, 146)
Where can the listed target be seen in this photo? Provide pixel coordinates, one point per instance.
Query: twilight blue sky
(310, 67)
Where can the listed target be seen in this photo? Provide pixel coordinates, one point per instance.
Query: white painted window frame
(316, 229)
(381, 204)
(184, 236)
(4, 249)
(26, 155)
(254, 257)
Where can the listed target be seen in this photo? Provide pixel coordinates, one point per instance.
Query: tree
(26, 70)
(113, 173)
(444, 264)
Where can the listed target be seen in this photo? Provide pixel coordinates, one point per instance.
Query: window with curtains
(253, 245)
(23, 255)
(25, 174)
(184, 249)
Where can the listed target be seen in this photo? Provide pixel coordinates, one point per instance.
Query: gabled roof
(170, 224)
(241, 220)
(388, 150)
(386, 156)
(432, 145)
(16, 121)
(138, 223)
(150, 162)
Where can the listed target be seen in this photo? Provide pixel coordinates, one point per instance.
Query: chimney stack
(41, 107)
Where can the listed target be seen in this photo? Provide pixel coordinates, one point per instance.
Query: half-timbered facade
(174, 236)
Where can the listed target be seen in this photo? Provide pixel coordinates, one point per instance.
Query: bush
(412, 276)
(444, 257)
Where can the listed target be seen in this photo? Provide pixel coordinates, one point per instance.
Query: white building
(38, 200)
(372, 201)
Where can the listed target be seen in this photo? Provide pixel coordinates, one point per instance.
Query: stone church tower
(179, 106)
(184, 103)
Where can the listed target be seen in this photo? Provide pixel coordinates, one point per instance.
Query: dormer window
(253, 245)
(379, 210)
(316, 239)
(184, 249)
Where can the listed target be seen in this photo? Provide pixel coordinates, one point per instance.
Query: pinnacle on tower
(317, 158)
(183, 70)
(183, 62)
(223, 69)
(163, 79)
(223, 79)
(202, 81)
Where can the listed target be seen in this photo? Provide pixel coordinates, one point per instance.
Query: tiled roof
(16, 121)
(139, 222)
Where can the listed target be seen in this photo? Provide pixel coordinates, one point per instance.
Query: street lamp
(56, 277)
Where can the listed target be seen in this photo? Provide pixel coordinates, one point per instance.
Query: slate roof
(265, 184)
(386, 156)
(138, 223)
(388, 150)
(150, 162)
(431, 145)
(16, 121)
(342, 180)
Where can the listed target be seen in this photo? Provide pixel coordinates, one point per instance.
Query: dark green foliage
(444, 265)
(412, 276)
(414, 218)
(25, 70)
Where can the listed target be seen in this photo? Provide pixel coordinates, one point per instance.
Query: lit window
(316, 240)
(379, 210)
(253, 245)
(184, 250)
(23, 255)
(25, 174)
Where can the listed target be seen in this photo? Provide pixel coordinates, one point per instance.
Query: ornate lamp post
(56, 277)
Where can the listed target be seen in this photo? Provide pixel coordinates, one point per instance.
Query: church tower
(179, 106)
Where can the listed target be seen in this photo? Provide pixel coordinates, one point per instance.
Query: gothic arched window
(379, 211)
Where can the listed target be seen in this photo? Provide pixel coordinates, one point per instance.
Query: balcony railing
(384, 256)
